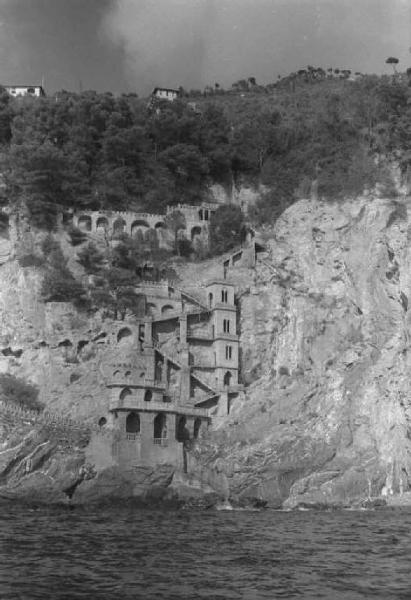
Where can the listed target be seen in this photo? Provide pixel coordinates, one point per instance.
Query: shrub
(19, 392)
(31, 260)
(226, 228)
(49, 245)
(90, 259)
(398, 214)
(59, 285)
(76, 236)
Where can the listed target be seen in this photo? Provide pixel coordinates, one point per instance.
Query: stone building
(170, 374)
(113, 223)
(160, 93)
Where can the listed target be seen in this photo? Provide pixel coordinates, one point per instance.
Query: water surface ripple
(128, 554)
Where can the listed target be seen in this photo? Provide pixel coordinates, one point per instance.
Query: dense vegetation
(101, 151)
(311, 132)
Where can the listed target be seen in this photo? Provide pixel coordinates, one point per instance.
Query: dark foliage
(19, 392)
(312, 128)
(226, 228)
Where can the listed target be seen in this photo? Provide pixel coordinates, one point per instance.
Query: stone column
(148, 333)
(222, 409)
(185, 385)
(183, 329)
(164, 371)
(190, 426)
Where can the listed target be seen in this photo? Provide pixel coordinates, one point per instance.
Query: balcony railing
(160, 441)
(133, 436)
(203, 334)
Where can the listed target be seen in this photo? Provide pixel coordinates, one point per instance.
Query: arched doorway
(101, 225)
(195, 232)
(197, 427)
(139, 225)
(227, 378)
(182, 432)
(119, 227)
(160, 427)
(132, 425)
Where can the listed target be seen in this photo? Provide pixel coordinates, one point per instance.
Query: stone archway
(160, 427)
(133, 423)
(182, 433)
(195, 232)
(84, 223)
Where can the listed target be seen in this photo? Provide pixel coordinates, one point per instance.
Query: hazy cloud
(125, 45)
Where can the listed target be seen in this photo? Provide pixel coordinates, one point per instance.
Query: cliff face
(326, 418)
(325, 342)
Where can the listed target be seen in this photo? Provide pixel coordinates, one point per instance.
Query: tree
(175, 221)
(91, 259)
(226, 228)
(391, 60)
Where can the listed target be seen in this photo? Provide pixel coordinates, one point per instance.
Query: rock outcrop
(326, 352)
(326, 359)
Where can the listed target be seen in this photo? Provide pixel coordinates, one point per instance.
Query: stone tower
(220, 297)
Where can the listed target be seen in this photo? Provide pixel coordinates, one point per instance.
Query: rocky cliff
(326, 418)
(325, 341)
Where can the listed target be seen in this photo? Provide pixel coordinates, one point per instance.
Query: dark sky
(132, 45)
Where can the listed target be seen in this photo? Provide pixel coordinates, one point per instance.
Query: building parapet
(182, 207)
(131, 404)
(149, 384)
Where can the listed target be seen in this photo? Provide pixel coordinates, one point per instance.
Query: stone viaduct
(115, 223)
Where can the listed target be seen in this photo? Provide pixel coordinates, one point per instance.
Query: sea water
(131, 553)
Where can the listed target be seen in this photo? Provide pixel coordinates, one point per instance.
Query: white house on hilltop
(25, 90)
(160, 93)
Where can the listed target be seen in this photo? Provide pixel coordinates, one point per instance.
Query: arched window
(160, 427)
(133, 423)
(228, 352)
(197, 427)
(102, 422)
(84, 223)
(224, 296)
(125, 393)
(148, 396)
(124, 333)
(226, 325)
(127, 374)
(200, 214)
(166, 309)
(151, 309)
(210, 299)
(227, 378)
